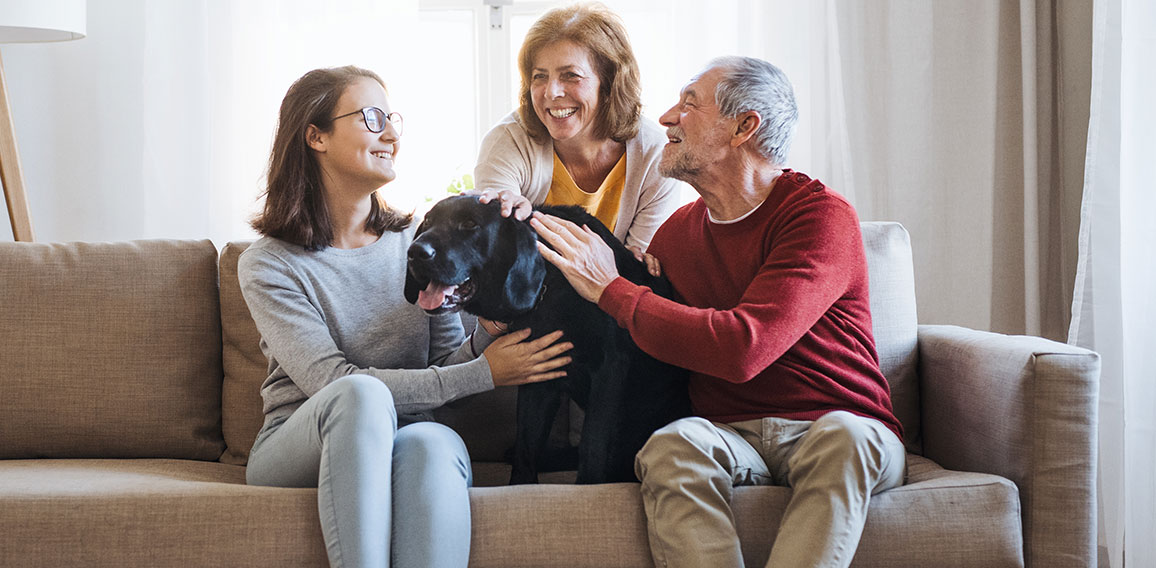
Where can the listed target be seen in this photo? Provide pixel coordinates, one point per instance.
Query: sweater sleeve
(297, 337)
(806, 270)
(509, 159)
(445, 349)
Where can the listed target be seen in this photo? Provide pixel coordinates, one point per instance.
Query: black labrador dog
(467, 256)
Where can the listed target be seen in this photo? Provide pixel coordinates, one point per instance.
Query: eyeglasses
(375, 119)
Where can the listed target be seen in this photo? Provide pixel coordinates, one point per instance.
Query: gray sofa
(129, 377)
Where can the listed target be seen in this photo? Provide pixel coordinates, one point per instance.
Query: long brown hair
(600, 31)
(295, 207)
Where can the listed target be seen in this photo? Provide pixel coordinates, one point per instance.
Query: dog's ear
(412, 286)
(527, 270)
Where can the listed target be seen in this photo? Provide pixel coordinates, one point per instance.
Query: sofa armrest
(1024, 408)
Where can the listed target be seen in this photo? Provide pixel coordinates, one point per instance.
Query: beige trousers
(833, 465)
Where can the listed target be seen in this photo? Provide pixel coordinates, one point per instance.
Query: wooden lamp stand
(10, 173)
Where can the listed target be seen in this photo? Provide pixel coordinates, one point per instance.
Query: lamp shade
(24, 21)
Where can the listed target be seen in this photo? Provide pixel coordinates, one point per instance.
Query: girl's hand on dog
(515, 361)
(512, 202)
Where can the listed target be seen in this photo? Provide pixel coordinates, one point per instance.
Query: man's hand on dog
(583, 257)
(515, 361)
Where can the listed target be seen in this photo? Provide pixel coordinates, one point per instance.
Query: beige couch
(128, 383)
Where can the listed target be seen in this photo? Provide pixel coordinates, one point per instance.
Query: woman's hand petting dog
(515, 361)
(579, 253)
(511, 201)
(651, 261)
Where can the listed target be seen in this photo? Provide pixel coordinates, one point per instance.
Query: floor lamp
(28, 21)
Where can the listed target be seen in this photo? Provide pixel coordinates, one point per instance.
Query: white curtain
(967, 122)
(1114, 310)
(964, 120)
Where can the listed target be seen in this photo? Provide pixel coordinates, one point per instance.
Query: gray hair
(750, 84)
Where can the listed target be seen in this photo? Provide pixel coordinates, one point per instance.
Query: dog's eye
(468, 225)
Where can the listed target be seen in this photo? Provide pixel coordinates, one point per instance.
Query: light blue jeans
(386, 496)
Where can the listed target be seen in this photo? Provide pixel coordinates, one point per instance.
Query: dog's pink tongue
(432, 297)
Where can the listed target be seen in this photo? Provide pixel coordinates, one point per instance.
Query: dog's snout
(421, 251)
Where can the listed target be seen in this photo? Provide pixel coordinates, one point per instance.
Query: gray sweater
(326, 314)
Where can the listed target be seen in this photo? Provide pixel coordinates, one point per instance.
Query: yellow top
(602, 204)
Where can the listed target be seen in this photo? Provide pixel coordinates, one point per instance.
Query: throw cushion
(245, 365)
(110, 350)
(893, 320)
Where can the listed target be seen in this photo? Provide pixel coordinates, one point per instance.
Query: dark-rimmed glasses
(375, 119)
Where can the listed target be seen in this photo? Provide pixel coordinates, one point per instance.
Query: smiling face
(350, 155)
(698, 136)
(564, 91)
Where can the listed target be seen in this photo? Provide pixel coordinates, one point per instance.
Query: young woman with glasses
(355, 370)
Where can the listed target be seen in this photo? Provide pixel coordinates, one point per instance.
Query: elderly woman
(578, 137)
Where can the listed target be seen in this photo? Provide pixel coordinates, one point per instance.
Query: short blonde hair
(595, 27)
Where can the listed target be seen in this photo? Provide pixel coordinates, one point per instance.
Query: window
(467, 82)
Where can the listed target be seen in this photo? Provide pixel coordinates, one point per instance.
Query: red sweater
(773, 316)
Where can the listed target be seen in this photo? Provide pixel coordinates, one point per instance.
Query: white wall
(71, 107)
(158, 123)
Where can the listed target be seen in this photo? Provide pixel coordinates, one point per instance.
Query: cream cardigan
(510, 159)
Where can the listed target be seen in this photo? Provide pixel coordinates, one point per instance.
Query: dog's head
(465, 255)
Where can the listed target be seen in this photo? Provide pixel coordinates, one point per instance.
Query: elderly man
(772, 321)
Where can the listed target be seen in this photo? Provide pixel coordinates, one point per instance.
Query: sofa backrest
(894, 324)
(485, 421)
(110, 350)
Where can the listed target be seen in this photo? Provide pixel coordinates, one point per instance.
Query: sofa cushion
(110, 350)
(150, 512)
(184, 513)
(891, 277)
(245, 366)
(939, 517)
(568, 526)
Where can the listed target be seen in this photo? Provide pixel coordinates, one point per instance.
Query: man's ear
(316, 138)
(746, 125)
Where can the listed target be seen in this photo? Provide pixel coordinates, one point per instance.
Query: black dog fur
(500, 275)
